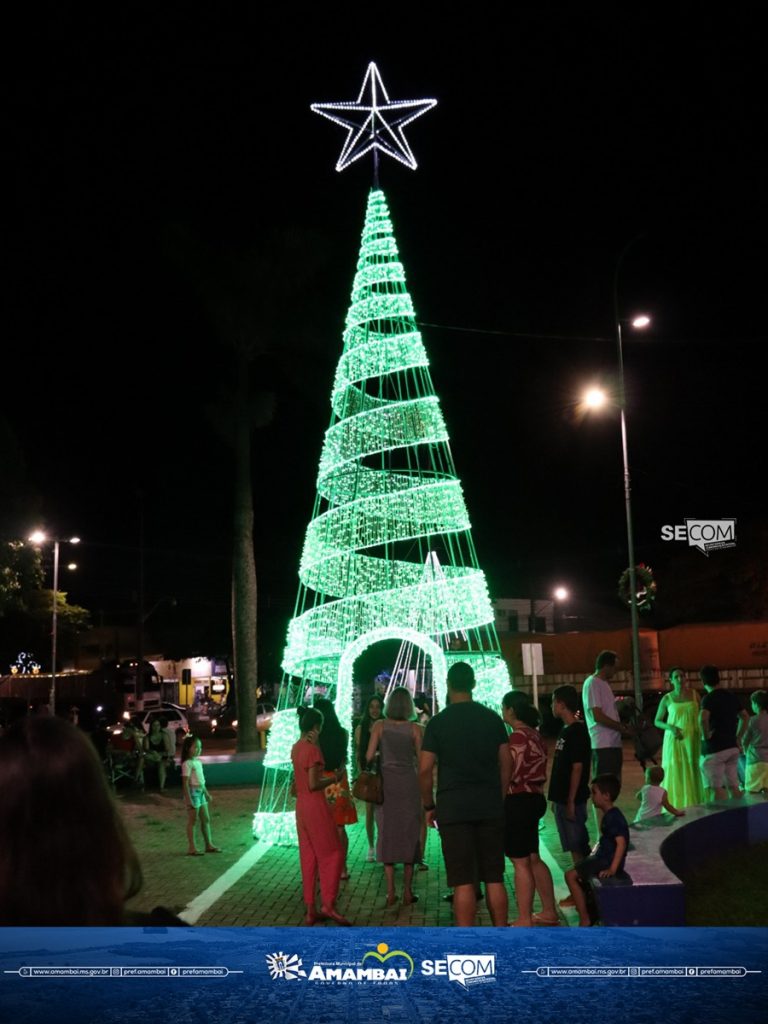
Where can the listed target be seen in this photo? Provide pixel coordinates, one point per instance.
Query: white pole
(52, 693)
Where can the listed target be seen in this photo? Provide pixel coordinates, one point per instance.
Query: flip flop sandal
(545, 922)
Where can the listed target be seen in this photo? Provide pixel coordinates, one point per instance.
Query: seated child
(653, 797)
(608, 857)
(755, 744)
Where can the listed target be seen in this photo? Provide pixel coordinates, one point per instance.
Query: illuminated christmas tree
(388, 553)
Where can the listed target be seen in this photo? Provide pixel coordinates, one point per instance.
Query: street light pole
(634, 618)
(635, 624)
(39, 538)
(52, 692)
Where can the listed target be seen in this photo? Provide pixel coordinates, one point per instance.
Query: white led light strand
(374, 122)
(388, 498)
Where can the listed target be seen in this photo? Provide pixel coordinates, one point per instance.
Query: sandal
(195, 853)
(543, 921)
(391, 900)
(421, 866)
(213, 849)
(411, 899)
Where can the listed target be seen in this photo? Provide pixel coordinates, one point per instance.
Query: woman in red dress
(334, 746)
(320, 851)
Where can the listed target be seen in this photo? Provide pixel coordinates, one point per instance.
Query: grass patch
(729, 891)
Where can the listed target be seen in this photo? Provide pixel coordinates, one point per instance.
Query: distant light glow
(641, 321)
(72, 566)
(374, 122)
(38, 537)
(561, 594)
(595, 398)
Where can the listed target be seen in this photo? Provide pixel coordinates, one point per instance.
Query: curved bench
(664, 848)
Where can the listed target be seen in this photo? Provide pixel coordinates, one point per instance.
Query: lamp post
(595, 398)
(38, 537)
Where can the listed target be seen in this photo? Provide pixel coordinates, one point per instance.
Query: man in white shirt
(602, 717)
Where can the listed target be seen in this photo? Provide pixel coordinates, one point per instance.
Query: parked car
(225, 723)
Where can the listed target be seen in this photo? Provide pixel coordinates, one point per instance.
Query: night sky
(170, 182)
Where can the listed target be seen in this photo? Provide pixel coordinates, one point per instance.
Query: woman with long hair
(65, 858)
(524, 807)
(320, 852)
(397, 738)
(334, 744)
(374, 709)
(678, 717)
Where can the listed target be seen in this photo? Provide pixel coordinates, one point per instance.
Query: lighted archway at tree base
(278, 825)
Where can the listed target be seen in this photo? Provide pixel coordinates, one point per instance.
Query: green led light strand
(388, 500)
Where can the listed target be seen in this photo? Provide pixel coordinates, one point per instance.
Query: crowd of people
(479, 776)
(484, 786)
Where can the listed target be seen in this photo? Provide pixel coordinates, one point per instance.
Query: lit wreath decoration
(646, 587)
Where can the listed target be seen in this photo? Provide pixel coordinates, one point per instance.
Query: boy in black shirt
(608, 857)
(569, 779)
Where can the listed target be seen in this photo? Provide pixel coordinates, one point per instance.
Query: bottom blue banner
(406, 975)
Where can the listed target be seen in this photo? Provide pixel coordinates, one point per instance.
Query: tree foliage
(21, 575)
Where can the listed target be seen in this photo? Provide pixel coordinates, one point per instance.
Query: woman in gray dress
(397, 738)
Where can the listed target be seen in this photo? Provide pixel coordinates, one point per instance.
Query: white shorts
(721, 766)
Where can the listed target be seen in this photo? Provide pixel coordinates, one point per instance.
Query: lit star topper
(374, 122)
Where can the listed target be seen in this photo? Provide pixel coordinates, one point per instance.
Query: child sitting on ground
(608, 857)
(755, 744)
(653, 797)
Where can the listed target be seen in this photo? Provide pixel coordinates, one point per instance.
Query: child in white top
(196, 796)
(653, 797)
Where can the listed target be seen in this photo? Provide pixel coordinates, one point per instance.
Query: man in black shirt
(722, 720)
(468, 743)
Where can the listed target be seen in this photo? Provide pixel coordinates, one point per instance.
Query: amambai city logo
(288, 966)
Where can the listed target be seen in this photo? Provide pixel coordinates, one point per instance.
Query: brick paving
(269, 892)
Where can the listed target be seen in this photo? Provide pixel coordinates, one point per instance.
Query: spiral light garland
(388, 500)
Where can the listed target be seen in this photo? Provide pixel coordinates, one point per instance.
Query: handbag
(367, 786)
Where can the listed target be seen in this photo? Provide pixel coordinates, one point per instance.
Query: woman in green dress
(678, 716)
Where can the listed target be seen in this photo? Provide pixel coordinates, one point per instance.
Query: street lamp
(639, 323)
(595, 398)
(38, 538)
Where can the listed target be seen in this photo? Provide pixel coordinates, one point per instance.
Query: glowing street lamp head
(561, 594)
(595, 398)
(641, 321)
(38, 537)
(72, 566)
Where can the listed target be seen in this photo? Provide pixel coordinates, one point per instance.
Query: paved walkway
(257, 885)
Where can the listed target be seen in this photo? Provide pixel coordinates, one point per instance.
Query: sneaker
(371, 855)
